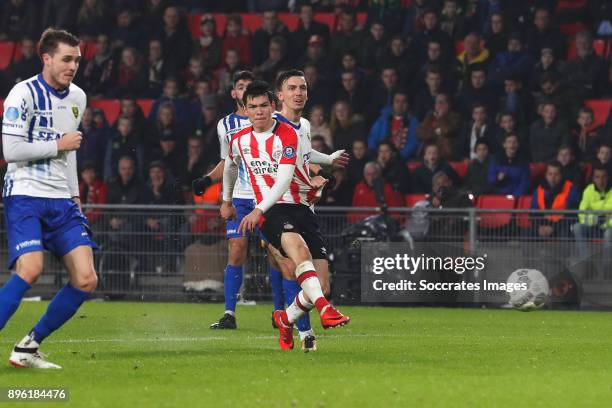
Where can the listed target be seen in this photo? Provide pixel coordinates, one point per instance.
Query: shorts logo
(324, 250)
(288, 226)
(26, 244)
(288, 152)
(12, 114)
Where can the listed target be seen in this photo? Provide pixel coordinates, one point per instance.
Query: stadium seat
(1, 106)
(251, 21)
(536, 172)
(460, 167)
(110, 107)
(571, 29)
(497, 220)
(570, 5)
(291, 20)
(90, 50)
(326, 18)
(413, 165)
(601, 109)
(598, 45)
(6, 53)
(522, 220)
(146, 105)
(411, 199)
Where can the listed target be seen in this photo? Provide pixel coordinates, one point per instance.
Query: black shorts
(294, 218)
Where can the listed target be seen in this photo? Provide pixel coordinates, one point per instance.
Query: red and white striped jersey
(261, 153)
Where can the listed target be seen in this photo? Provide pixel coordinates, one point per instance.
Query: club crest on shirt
(75, 112)
(288, 152)
(12, 114)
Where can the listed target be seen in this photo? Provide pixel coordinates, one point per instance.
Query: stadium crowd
(484, 91)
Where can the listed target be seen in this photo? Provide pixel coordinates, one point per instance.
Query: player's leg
(28, 267)
(276, 281)
(232, 279)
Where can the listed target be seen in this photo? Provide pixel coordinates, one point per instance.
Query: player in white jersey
(278, 168)
(41, 193)
(243, 204)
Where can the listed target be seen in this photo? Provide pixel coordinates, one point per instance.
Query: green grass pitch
(164, 355)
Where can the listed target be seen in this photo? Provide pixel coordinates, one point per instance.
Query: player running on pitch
(274, 158)
(41, 192)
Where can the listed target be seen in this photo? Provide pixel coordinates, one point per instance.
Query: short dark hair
(258, 88)
(400, 91)
(285, 75)
(586, 109)
(242, 76)
(600, 167)
(481, 142)
(554, 163)
(52, 37)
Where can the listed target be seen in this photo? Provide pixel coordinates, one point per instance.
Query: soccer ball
(536, 294)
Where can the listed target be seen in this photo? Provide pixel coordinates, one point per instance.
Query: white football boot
(25, 354)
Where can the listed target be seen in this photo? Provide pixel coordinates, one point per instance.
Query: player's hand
(69, 141)
(227, 210)
(200, 185)
(249, 222)
(340, 159)
(318, 181)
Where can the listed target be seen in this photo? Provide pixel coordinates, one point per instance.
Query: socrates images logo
(12, 114)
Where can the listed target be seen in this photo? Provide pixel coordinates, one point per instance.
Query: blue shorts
(243, 207)
(35, 223)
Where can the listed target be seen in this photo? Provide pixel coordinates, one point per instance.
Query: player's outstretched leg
(292, 289)
(10, 297)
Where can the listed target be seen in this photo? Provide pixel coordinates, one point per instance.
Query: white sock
(294, 311)
(230, 312)
(303, 334)
(27, 342)
(309, 281)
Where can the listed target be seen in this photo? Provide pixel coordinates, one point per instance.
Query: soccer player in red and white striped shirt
(278, 170)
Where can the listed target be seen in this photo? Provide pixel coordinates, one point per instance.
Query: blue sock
(276, 281)
(231, 286)
(62, 307)
(292, 288)
(10, 297)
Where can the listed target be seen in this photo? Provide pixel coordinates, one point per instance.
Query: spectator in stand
(92, 190)
(585, 135)
(236, 38)
(271, 27)
(597, 196)
(393, 170)
(193, 74)
(152, 15)
(373, 45)
(431, 31)
(225, 74)
(397, 125)
(373, 191)
(382, 92)
(413, 18)
(175, 38)
(507, 125)
(29, 64)
(186, 111)
(18, 19)
(275, 62)
(346, 37)
(476, 90)
(349, 62)
(129, 108)
(170, 152)
(319, 92)
(442, 126)
(316, 55)
(604, 156)
(319, 125)
(208, 47)
(515, 62)
(307, 27)
(92, 19)
(397, 56)
(99, 73)
(567, 104)
(352, 92)
(478, 129)
(544, 35)
(131, 76)
(547, 134)
(58, 13)
(197, 161)
(166, 124)
(548, 65)
(435, 59)
(452, 20)
(432, 163)
(570, 168)
(476, 179)
(345, 126)
(318, 144)
(496, 35)
(340, 192)
(129, 33)
(472, 54)
(509, 170)
(585, 74)
(159, 69)
(206, 125)
(95, 139)
(516, 100)
(424, 101)
(359, 158)
(124, 142)
(553, 194)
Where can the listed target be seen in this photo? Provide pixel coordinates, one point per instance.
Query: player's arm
(230, 174)
(338, 159)
(200, 184)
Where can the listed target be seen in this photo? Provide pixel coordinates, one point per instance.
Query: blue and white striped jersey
(35, 116)
(226, 128)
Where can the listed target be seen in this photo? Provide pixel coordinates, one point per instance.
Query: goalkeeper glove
(200, 185)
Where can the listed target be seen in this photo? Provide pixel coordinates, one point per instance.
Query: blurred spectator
(170, 153)
(131, 76)
(340, 194)
(604, 156)
(206, 125)
(472, 54)
(129, 108)
(346, 37)
(382, 92)
(197, 161)
(319, 124)
(152, 15)
(29, 64)
(424, 101)
(92, 190)
(18, 19)
(453, 20)
(236, 38)
(373, 45)
(435, 59)
(318, 144)
(359, 157)
(516, 100)
(260, 42)
(186, 111)
(95, 139)
(553, 194)
(597, 196)
(124, 142)
(551, 90)
(307, 27)
(129, 33)
(99, 72)
(507, 125)
(166, 125)
(479, 128)
(275, 62)
(158, 69)
(547, 65)
(93, 18)
(585, 135)
(175, 38)
(393, 170)
(509, 170)
(397, 56)
(345, 126)
(547, 134)
(476, 181)
(349, 63)
(442, 126)
(389, 14)
(586, 73)
(496, 35)
(225, 74)
(208, 47)
(544, 35)
(515, 62)
(431, 31)
(432, 163)
(315, 55)
(373, 191)
(397, 125)
(570, 168)
(352, 92)
(413, 18)
(476, 90)
(319, 92)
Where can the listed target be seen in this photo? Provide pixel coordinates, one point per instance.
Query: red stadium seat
(413, 165)
(522, 220)
(251, 21)
(6, 53)
(1, 106)
(536, 172)
(588, 172)
(291, 20)
(570, 5)
(601, 109)
(145, 105)
(598, 45)
(90, 50)
(412, 199)
(572, 29)
(110, 107)
(460, 167)
(326, 18)
(488, 220)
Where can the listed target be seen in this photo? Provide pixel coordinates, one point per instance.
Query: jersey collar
(283, 119)
(59, 94)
